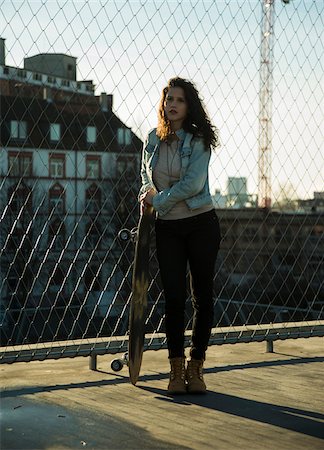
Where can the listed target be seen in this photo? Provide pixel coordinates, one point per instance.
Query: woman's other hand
(147, 199)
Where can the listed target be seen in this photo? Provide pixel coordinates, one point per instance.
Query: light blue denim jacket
(193, 186)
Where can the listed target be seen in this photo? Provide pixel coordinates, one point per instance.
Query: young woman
(174, 175)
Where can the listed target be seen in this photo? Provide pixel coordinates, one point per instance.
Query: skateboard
(138, 304)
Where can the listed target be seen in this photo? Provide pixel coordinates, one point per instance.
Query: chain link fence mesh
(80, 84)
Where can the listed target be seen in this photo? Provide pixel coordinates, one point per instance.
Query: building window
(14, 241)
(56, 235)
(93, 236)
(65, 83)
(55, 132)
(20, 197)
(18, 129)
(121, 167)
(57, 166)
(92, 278)
(57, 199)
(58, 278)
(91, 135)
(125, 166)
(37, 76)
(20, 164)
(51, 80)
(93, 199)
(21, 73)
(124, 136)
(93, 168)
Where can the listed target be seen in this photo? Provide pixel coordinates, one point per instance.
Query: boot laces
(177, 369)
(195, 367)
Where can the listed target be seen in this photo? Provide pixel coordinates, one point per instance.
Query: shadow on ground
(40, 425)
(298, 420)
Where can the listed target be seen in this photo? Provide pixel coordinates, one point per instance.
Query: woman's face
(175, 106)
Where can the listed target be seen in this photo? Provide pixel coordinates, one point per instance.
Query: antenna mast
(265, 107)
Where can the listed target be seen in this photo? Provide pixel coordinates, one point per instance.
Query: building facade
(69, 181)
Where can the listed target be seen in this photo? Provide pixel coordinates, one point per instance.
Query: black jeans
(194, 240)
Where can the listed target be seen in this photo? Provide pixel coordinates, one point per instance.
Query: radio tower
(265, 107)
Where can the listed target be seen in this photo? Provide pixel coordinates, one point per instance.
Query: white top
(166, 173)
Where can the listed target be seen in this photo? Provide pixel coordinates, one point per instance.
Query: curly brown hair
(197, 121)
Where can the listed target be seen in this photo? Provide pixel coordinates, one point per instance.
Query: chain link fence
(80, 84)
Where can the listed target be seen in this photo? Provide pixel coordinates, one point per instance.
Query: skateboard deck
(138, 304)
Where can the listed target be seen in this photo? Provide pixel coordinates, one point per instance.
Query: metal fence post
(269, 346)
(93, 362)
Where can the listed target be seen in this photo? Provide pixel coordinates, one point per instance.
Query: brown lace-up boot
(177, 383)
(194, 375)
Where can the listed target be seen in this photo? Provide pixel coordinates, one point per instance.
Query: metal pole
(269, 346)
(93, 362)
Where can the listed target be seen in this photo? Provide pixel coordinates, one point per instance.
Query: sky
(131, 48)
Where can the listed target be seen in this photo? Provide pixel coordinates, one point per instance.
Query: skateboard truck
(118, 363)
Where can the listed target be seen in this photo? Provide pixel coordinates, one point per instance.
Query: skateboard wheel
(124, 234)
(116, 365)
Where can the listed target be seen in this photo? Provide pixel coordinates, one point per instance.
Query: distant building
(316, 204)
(237, 195)
(54, 65)
(219, 200)
(57, 82)
(261, 243)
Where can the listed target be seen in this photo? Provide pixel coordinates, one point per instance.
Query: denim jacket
(193, 185)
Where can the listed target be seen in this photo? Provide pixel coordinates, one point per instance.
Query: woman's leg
(203, 244)
(172, 258)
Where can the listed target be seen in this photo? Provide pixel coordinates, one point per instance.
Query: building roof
(74, 117)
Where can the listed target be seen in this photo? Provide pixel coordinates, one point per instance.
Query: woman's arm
(191, 184)
(146, 185)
